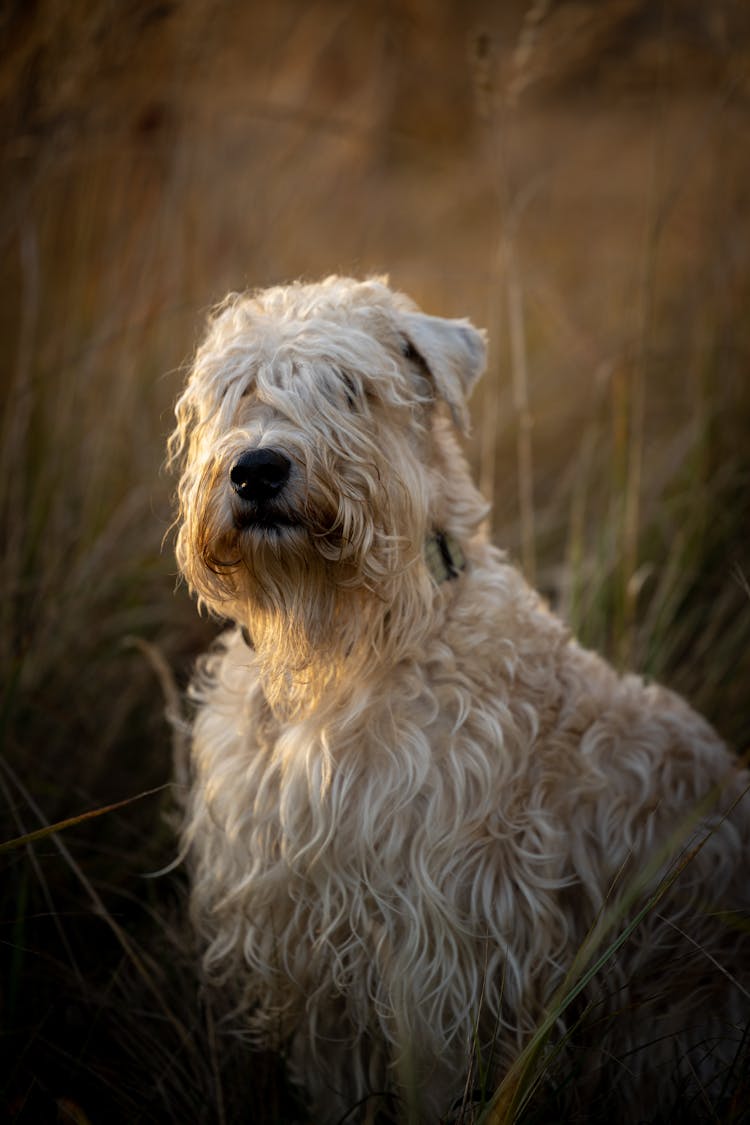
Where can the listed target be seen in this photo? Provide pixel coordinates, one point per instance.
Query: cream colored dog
(415, 799)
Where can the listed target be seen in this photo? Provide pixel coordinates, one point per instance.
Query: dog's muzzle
(258, 479)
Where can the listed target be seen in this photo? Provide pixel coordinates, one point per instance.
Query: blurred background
(574, 175)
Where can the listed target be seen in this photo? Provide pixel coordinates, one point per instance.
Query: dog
(420, 814)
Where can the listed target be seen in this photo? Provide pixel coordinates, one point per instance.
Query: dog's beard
(318, 596)
(301, 621)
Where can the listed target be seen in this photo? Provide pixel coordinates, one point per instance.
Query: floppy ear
(454, 352)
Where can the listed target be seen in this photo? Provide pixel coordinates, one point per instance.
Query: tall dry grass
(154, 161)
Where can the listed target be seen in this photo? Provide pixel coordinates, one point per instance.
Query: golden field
(575, 177)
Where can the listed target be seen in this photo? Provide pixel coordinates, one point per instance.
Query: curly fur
(412, 800)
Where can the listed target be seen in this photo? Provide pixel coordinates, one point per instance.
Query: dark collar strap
(443, 556)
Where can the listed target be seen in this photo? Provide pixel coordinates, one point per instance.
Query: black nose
(260, 474)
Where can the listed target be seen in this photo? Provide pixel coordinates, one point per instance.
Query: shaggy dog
(419, 811)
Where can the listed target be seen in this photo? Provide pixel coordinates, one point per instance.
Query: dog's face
(307, 438)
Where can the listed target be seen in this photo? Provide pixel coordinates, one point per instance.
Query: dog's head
(313, 454)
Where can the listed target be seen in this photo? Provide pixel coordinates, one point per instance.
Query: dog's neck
(443, 555)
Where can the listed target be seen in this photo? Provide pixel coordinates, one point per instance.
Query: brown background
(574, 176)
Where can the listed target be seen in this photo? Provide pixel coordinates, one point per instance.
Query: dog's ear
(455, 354)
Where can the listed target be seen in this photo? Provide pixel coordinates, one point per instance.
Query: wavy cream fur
(411, 801)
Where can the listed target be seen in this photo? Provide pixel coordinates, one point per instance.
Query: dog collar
(443, 556)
